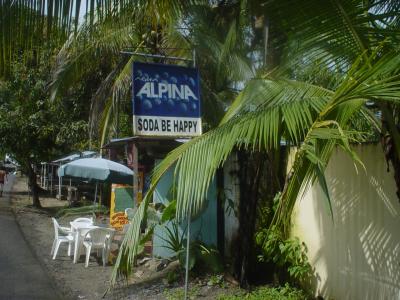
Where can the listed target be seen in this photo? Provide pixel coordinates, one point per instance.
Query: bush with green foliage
(34, 129)
(175, 240)
(288, 254)
(199, 253)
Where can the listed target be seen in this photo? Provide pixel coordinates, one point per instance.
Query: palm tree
(223, 59)
(176, 33)
(29, 27)
(356, 37)
(352, 36)
(339, 34)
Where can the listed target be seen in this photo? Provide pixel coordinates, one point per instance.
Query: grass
(179, 293)
(269, 293)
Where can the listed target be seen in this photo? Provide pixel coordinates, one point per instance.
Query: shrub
(288, 254)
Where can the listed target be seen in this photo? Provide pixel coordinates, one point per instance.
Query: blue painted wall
(203, 228)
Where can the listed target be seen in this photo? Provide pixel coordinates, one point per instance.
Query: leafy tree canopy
(32, 128)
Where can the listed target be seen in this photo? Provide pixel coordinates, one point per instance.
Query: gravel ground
(77, 282)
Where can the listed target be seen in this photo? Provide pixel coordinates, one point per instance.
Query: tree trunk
(220, 212)
(391, 143)
(250, 174)
(33, 186)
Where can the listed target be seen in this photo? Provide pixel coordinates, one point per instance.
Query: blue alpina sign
(166, 100)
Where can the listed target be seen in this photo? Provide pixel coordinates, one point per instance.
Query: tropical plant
(94, 33)
(222, 60)
(174, 240)
(368, 32)
(30, 27)
(209, 258)
(359, 38)
(288, 254)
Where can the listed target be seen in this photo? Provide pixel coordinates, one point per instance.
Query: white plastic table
(80, 229)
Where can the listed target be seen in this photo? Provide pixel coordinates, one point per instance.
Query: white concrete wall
(357, 256)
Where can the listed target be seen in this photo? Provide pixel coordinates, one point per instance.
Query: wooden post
(95, 195)
(51, 180)
(135, 164)
(41, 176)
(59, 187)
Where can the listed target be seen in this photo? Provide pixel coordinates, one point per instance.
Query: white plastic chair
(98, 238)
(61, 235)
(87, 220)
(130, 212)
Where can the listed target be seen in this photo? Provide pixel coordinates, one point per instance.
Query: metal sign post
(188, 225)
(187, 254)
(166, 102)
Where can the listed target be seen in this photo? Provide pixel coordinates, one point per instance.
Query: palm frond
(336, 32)
(260, 127)
(200, 158)
(107, 116)
(99, 99)
(219, 38)
(368, 79)
(297, 102)
(119, 91)
(78, 54)
(130, 245)
(29, 27)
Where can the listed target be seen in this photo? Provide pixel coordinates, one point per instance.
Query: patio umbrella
(67, 159)
(97, 169)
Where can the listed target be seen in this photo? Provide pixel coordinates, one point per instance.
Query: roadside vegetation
(274, 74)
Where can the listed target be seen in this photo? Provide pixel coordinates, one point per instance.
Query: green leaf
(169, 212)
(325, 190)
(192, 258)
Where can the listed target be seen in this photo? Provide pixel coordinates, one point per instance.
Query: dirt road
(21, 275)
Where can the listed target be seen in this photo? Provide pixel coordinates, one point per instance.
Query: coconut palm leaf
(130, 245)
(200, 158)
(31, 26)
(271, 91)
(94, 44)
(368, 79)
(105, 120)
(221, 58)
(79, 53)
(119, 90)
(109, 27)
(107, 38)
(99, 100)
(219, 36)
(259, 129)
(298, 103)
(334, 31)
